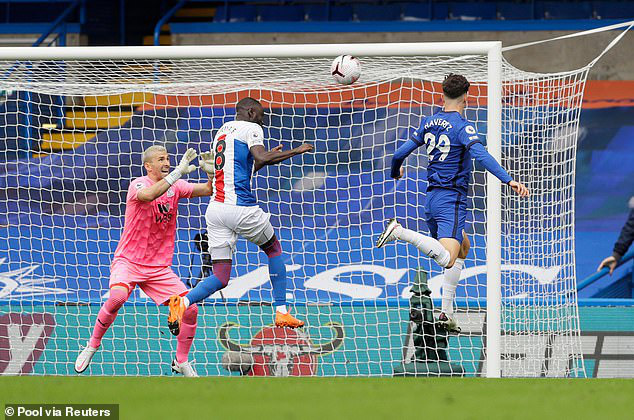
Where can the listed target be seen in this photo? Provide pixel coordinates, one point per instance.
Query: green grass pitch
(333, 398)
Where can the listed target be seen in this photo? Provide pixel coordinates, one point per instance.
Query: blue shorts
(446, 213)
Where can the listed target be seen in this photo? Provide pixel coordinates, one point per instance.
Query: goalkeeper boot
(449, 323)
(186, 369)
(388, 234)
(287, 320)
(177, 308)
(84, 358)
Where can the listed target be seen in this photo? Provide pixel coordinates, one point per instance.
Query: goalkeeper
(144, 254)
(451, 141)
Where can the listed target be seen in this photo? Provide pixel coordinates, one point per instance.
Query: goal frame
(492, 49)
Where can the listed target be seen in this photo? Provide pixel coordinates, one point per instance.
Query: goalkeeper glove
(206, 163)
(183, 167)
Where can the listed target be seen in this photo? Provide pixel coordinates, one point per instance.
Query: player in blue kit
(451, 141)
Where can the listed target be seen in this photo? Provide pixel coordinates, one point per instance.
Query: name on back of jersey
(227, 128)
(438, 122)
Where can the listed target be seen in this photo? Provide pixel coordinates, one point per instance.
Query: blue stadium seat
(614, 9)
(31, 11)
(220, 14)
(563, 10)
(440, 11)
(317, 12)
(377, 11)
(515, 11)
(242, 13)
(288, 13)
(416, 11)
(341, 12)
(475, 10)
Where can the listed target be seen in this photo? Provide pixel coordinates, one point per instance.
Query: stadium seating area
(43, 22)
(426, 10)
(20, 11)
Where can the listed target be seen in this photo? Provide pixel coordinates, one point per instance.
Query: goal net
(73, 132)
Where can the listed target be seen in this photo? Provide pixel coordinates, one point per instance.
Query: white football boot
(84, 358)
(186, 369)
(388, 234)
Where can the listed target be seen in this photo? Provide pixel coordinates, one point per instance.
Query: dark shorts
(446, 213)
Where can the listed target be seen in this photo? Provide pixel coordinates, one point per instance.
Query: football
(345, 69)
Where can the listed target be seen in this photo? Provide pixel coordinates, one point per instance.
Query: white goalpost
(78, 118)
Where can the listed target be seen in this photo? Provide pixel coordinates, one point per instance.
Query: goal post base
(424, 369)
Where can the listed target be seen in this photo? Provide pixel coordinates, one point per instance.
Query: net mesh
(74, 132)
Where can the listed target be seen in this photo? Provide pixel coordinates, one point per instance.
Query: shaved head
(151, 151)
(249, 109)
(247, 103)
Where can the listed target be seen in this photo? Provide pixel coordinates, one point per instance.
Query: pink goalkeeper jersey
(150, 227)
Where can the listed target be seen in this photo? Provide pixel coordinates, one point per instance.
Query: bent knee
(118, 296)
(452, 261)
(465, 246)
(272, 248)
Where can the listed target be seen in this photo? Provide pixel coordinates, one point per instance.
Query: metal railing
(60, 22)
(604, 271)
(531, 5)
(164, 19)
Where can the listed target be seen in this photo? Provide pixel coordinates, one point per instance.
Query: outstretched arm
(263, 157)
(153, 191)
(158, 189)
(399, 156)
(490, 164)
(203, 190)
(621, 245)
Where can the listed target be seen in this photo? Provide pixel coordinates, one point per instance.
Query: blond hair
(147, 154)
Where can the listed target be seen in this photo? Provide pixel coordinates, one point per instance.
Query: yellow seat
(64, 140)
(96, 120)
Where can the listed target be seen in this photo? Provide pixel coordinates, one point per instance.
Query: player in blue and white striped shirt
(451, 141)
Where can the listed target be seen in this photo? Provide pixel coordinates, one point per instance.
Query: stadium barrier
(354, 340)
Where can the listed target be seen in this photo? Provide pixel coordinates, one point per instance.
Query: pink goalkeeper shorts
(159, 283)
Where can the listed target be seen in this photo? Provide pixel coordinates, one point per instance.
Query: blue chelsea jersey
(447, 137)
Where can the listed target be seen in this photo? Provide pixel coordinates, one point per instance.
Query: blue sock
(204, 289)
(277, 271)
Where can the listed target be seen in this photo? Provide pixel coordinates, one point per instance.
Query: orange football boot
(287, 320)
(176, 314)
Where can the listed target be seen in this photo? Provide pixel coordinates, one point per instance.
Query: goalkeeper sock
(188, 331)
(107, 315)
(205, 288)
(428, 245)
(451, 279)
